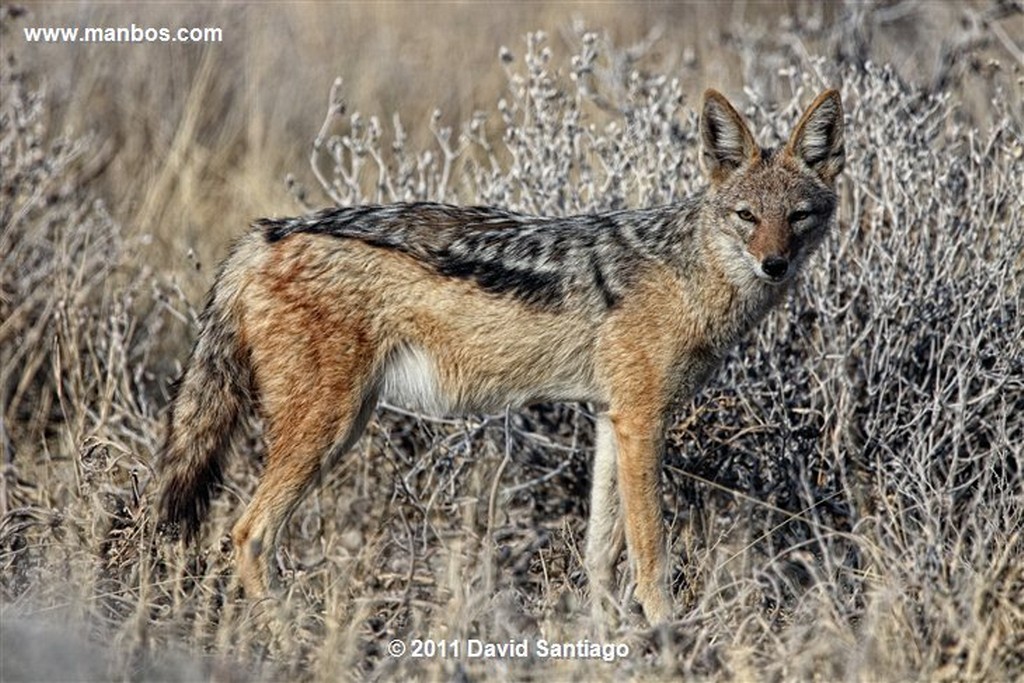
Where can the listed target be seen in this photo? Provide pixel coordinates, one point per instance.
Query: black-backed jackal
(450, 309)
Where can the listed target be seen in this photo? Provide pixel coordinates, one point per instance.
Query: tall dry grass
(845, 496)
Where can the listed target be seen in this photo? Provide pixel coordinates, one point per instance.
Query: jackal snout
(771, 248)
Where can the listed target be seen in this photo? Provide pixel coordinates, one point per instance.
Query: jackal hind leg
(606, 537)
(303, 438)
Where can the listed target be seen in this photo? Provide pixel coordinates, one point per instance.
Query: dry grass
(845, 497)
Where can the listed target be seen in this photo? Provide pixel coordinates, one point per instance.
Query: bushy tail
(211, 399)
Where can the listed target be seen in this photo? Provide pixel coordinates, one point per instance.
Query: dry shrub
(845, 496)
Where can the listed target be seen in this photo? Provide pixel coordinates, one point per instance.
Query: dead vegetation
(845, 497)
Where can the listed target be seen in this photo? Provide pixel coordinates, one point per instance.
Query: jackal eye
(746, 215)
(798, 216)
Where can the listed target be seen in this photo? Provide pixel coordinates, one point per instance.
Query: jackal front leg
(638, 436)
(605, 534)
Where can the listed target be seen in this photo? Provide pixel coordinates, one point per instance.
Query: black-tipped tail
(211, 398)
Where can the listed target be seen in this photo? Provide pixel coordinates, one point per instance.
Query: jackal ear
(817, 139)
(726, 141)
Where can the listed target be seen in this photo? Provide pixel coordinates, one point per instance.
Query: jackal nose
(775, 266)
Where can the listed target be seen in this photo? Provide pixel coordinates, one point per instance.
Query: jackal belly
(446, 382)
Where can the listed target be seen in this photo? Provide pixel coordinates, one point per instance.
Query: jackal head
(767, 209)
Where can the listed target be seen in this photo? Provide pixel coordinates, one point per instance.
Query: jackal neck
(730, 307)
